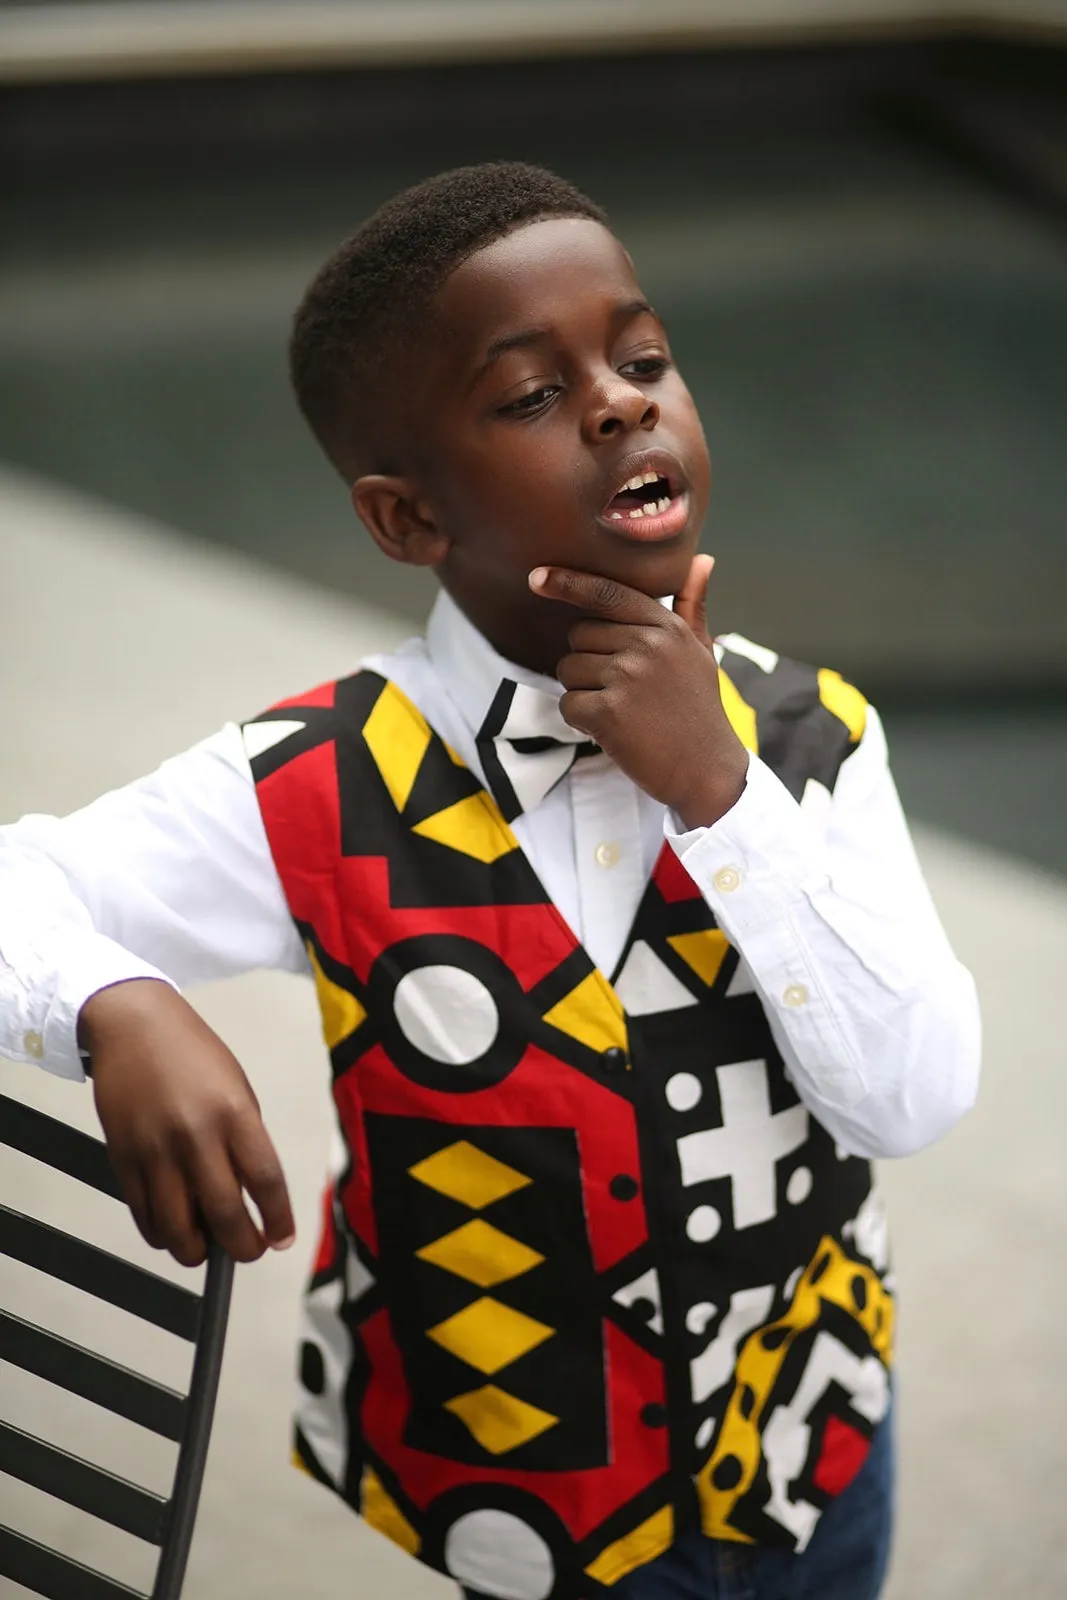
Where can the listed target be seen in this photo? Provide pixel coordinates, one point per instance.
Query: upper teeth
(640, 480)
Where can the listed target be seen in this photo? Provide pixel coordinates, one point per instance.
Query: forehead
(545, 274)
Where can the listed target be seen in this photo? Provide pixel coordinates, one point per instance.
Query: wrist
(714, 795)
(119, 1005)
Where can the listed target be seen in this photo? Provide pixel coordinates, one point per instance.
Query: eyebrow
(530, 336)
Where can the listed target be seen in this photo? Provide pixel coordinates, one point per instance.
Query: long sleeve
(825, 901)
(170, 877)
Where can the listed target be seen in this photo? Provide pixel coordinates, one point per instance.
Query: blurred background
(852, 215)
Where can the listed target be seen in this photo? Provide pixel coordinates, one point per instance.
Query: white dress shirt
(172, 877)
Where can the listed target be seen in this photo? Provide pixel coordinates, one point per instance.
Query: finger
(222, 1205)
(136, 1197)
(580, 671)
(173, 1215)
(594, 636)
(690, 603)
(261, 1173)
(578, 707)
(603, 597)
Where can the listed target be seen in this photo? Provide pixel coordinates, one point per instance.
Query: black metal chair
(185, 1418)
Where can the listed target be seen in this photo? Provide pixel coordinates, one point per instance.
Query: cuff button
(33, 1044)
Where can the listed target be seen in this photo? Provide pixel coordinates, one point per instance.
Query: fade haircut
(365, 309)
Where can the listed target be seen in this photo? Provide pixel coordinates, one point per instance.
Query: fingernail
(284, 1244)
(537, 577)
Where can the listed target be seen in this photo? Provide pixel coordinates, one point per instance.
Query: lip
(662, 525)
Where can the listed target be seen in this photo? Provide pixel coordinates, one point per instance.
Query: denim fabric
(847, 1558)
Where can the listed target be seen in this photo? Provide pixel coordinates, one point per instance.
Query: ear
(399, 521)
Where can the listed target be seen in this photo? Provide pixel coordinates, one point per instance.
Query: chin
(656, 572)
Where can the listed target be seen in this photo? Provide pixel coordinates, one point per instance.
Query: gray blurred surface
(122, 646)
(875, 328)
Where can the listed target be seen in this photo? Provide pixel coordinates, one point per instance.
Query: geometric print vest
(590, 1274)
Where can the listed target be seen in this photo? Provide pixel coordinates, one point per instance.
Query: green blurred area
(874, 325)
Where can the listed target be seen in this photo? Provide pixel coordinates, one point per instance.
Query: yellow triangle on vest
(705, 951)
(397, 736)
(341, 1011)
(648, 1540)
(843, 702)
(592, 1014)
(739, 713)
(381, 1511)
(472, 825)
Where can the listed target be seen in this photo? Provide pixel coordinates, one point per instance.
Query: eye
(528, 405)
(645, 367)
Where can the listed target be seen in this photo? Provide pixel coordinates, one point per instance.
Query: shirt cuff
(90, 963)
(757, 861)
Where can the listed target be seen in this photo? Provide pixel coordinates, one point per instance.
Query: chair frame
(185, 1418)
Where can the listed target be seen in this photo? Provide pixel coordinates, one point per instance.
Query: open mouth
(647, 494)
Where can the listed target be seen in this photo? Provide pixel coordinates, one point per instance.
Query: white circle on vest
(703, 1224)
(705, 1431)
(698, 1316)
(447, 1013)
(683, 1091)
(799, 1186)
(494, 1552)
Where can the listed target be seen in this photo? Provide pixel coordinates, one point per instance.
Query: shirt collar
(470, 669)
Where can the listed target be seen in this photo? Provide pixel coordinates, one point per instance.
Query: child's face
(550, 387)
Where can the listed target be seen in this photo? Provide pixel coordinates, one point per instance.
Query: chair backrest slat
(99, 1273)
(58, 1145)
(83, 1372)
(80, 1484)
(56, 1577)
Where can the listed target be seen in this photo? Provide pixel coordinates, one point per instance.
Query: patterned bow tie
(526, 747)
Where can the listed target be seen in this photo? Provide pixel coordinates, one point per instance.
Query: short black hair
(373, 293)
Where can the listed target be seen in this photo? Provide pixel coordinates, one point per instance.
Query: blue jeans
(846, 1559)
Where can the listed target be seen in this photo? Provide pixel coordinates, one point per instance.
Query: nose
(618, 406)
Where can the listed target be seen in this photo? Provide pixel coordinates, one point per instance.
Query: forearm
(876, 1019)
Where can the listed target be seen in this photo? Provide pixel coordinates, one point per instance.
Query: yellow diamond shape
(467, 1174)
(473, 825)
(481, 1253)
(499, 1421)
(341, 1011)
(488, 1335)
(704, 951)
(397, 736)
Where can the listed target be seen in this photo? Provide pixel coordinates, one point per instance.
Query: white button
(34, 1044)
(607, 854)
(705, 1431)
(795, 995)
(726, 880)
(799, 1186)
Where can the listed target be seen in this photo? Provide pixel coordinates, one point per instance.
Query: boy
(600, 1299)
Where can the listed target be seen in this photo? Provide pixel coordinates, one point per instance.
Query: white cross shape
(748, 1145)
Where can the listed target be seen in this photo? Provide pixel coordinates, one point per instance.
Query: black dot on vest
(613, 1059)
(654, 1416)
(727, 1474)
(312, 1370)
(774, 1337)
(645, 1309)
(859, 1291)
(623, 1187)
(819, 1269)
(879, 1319)
(747, 1401)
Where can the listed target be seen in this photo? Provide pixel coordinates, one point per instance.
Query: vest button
(614, 1059)
(623, 1187)
(654, 1416)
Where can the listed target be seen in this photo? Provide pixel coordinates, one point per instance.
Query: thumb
(691, 600)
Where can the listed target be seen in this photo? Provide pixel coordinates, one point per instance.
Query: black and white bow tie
(526, 747)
